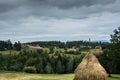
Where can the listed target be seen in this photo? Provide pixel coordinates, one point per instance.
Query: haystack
(90, 69)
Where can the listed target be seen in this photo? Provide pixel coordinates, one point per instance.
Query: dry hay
(90, 69)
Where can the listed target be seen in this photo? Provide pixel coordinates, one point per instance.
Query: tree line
(7, 45)
(68, 44)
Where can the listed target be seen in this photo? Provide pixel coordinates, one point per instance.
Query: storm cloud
(29, 20)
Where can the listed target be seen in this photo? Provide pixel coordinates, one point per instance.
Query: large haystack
(90, 69)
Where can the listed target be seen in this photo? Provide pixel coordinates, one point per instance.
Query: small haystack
(90, 69)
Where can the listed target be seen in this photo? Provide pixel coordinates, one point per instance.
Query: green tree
(17, 46)
(115, 38)
(59, 67)
(39, 65)
(70, 65)
(48, 68)
(9, 43)
(51, 49)
(115, 51)
(31, 62)
(112, 52)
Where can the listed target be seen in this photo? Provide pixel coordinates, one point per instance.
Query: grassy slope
(10, 52)
(115, 77)
(25, 76)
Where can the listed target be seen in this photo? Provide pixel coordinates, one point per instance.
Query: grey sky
(33, 20)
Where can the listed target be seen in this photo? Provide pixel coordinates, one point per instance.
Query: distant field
(9, 52)
(94, 51)
(25, 76)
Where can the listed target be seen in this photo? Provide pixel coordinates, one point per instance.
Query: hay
(90, 69)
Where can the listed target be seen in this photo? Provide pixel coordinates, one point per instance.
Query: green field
(25, 76)
(9, 52)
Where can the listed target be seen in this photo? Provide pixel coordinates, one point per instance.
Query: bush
(29, 69)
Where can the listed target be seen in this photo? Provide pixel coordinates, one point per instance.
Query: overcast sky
(38, 20)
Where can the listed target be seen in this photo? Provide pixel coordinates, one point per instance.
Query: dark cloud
(79, 9)
(6, 5)
(71, 3)
(76, 9)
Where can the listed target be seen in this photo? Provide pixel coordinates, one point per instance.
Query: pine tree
(17, 46)
(59, 67)
(48, 68)
(9, 43)
(70, 65)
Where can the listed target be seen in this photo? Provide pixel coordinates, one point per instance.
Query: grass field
(10, 52)
(25, 76)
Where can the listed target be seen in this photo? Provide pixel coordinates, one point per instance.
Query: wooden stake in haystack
(90, 69)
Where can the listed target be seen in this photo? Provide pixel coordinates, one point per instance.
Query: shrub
(29, 69)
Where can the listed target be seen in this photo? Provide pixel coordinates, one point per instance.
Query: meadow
(26, 76)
